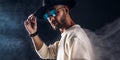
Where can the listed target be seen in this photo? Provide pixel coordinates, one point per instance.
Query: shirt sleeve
(48, 52)
(78, 51)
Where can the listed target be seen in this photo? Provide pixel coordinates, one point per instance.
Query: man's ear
(66, 10)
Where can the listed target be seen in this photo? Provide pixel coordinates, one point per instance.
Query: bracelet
(34, 34)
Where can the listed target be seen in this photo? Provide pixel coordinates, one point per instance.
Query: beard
(61, 23)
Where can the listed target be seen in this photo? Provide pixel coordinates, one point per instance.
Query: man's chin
(56, 28)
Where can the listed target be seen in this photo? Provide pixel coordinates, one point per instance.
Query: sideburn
(63, 20)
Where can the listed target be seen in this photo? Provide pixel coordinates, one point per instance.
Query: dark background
(100, 18)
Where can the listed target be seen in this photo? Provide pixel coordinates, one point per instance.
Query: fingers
(27, 22)
(31, 24)
(31, 21)
(32, 18)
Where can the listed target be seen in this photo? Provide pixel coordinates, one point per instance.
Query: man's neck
(69, 24)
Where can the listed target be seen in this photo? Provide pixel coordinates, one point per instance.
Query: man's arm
(37, 41)
(40, 47)
(31, 27)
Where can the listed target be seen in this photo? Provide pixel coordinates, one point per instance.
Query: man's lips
(54, 23)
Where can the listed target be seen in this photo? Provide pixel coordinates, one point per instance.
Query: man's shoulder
(74, 27)
(74, 30)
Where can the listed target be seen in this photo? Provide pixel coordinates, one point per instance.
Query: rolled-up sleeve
(48, 52)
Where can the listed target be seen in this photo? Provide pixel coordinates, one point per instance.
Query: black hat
(50, 3)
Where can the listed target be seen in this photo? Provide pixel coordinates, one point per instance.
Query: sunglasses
(52, 12)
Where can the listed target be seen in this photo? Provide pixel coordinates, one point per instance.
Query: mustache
(54, 21)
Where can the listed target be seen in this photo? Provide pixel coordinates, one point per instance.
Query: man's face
(56, 17)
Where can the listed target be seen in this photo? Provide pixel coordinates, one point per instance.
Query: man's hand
(31, 24)
(31, 27)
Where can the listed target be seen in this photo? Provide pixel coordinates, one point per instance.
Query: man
(74, 43)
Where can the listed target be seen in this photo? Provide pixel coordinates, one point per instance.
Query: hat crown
(45, 2)
(69, 3)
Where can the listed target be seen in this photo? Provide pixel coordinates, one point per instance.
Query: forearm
(48, 52)
(42, 49)
(37, 41)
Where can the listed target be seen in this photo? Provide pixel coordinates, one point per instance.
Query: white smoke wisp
(106, 41)
(95, 41)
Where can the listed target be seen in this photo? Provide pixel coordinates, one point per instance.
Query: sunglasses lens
(46, 16)
(53, 12)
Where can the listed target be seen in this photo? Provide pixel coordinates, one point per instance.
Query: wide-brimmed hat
(50, 3)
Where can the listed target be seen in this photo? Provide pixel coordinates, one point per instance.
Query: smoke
(106, 41)
(14, 42)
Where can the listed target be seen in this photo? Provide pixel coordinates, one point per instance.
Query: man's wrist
(33, 34)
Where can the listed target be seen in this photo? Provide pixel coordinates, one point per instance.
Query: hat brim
(39, 12)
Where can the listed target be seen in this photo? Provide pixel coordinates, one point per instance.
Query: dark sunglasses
(52, 12)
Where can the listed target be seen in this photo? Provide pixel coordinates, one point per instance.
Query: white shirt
(73, 45)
